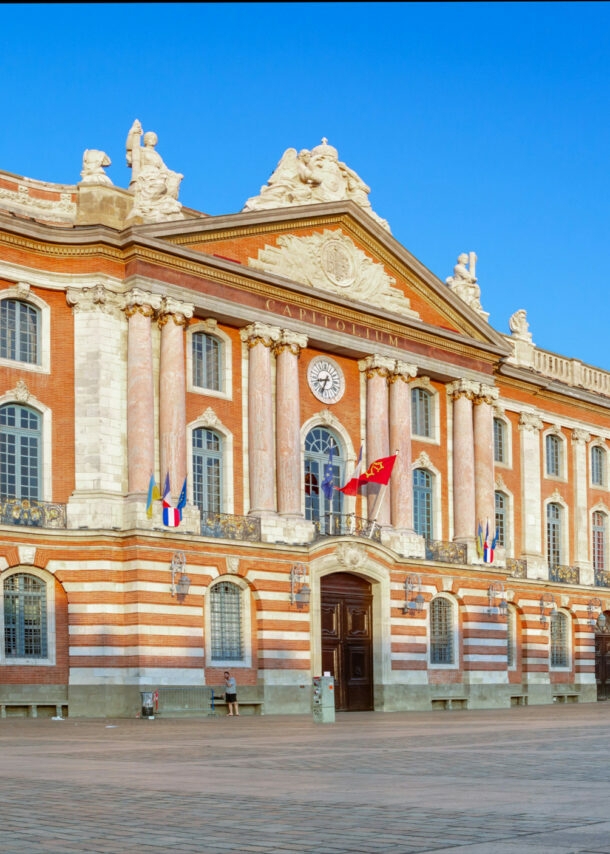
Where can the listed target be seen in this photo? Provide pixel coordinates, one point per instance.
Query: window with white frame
(20, 452)
(599, 536)
(25, 617)
(19, 331)
(500, 439)
(554, 534)
(422, 413)
(553, 455)
(501, 501)
(422, 503)
(598, 466)
(207, 449)
(207, 356)
(442, 631)
(226, 622)
(560, 640)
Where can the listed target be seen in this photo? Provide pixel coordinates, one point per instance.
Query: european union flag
(327, 483)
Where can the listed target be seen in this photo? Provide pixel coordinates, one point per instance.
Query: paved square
(526, 779)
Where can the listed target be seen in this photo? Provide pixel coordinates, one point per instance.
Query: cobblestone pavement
(534, 779)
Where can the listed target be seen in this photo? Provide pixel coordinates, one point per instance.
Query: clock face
(325, 379)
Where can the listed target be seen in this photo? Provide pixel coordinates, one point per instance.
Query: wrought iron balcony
(564, 574)
(226, 526)
(31, 513)
(602, 578)
(340, 525)
(516, 567)
(446, 552)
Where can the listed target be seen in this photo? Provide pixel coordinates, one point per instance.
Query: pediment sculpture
(330, 261)
(308, 177)
(155, 187)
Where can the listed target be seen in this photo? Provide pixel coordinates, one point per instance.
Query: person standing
(231, 694)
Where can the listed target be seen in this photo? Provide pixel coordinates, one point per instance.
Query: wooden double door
(347, 639)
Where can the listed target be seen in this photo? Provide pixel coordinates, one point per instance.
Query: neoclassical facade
(241, 354)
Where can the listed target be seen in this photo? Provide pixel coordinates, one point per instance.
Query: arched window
(442, 640)
(553, 447)
(560, 640)
(317, 507)
(421, 413)
(19, 331)
(207, 470)
(501, 518)
(598, 466)
(422, 503)
(511, 636)
(25, 617)
(554, 532)
(500, 455)
(599, 539)
(20, 452)
(207, 361)
(226, 627)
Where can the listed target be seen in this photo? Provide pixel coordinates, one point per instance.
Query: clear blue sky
(478, 126)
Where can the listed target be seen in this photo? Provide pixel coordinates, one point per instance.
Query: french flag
(172, 516)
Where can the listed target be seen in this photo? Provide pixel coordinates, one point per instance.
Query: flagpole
(378, 503)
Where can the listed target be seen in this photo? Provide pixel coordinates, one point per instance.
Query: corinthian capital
(580, 437)
(376, 365)
(530, 422)
(292, 341)
(487, 394)
(260, 333)
(463, 388)
(403, 371)
(179, 312)
(96, 298)
(142, 302)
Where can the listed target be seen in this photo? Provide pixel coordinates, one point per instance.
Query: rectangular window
(499, 441)
(225, 622)
(598, 465)
(441, 632)
(553, 456)
(421, 412)
(560, 648)
(206, 361)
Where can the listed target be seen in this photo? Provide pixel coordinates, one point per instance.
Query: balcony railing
(564, 574)
(516, 567)
(602, 578)
(31, 513)
(446, 552)
(339, 525)
(226, 526)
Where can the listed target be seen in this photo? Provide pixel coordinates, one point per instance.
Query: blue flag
(327, 483)
(182, 499)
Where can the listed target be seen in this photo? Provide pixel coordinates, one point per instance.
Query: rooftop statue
(464, 282)
(308, 177)
(519, 326)
(155, 187)
(94, 163)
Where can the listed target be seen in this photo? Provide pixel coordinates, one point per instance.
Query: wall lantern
(594, 605)
(547, 602)
(177, 567)
(414, 600)
(299, 589)
(496, 591)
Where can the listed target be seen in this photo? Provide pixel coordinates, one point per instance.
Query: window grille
(20, 452)
(206, 361)
(207, 470)
(599, 541)
(25, 617)
(598, 466)
(226, 622)
(560, 647)
(511, 637)
(499, 441)
(441, 632)
(422, 503)
(554, 534)
(553, 455)
(421, 412)
(19, 331)
(501, 518)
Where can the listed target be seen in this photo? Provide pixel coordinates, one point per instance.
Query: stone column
(288, 422)
(377, 370)
(261, 463)
(173, 318)
(485, 505)
(582, 524)
(530, 425)
(401, 484)
(464, 520)
(139, 309)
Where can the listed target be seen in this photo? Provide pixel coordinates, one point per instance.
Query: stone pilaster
(260, 338)
(464, 519)
(485, 508)
(377, 370)
(582, 559)
(530, 426)
(173, 318)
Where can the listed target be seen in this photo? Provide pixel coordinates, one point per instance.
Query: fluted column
(259, 338)
(580, 439)
(288, 422)
(485, 506)
(173, 319)
(530, 425)
(377, 370)
(463, 392)
(401, 484)
(139, 309)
